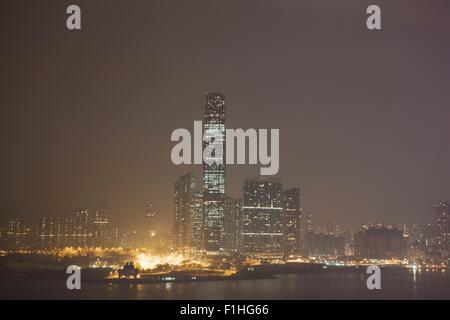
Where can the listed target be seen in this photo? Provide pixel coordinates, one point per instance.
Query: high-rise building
(380, 243)
(51, 232)
(323, 243)
(309, 223)
(442, 210)
(262, 218)
(214, 174)
(149, 226)
(427, 237)
(47, 232)
(185, 190)
(150, 214)
(233, 225)
(291, 221)
(196, 221)
(116, 237)
(81, 228)
(19, 233)
(307, 229)
(100, 224)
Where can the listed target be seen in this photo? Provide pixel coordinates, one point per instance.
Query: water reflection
(396, 284)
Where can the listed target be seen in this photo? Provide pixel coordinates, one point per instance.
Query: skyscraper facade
(309, 223)
(19, 233)
(380, 243)
(100, 224)
(442, 210)
(47, 232)
(197, 222)
(149, 231)
(81, 229)
(214, 175)
(183, 196)
(233, 225)
(291, 221)
(262, 218)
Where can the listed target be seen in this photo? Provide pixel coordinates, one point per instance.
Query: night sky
(364, 116)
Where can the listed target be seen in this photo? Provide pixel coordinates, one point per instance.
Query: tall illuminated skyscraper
(183, 198)
(262, 211)
(214, 175)
(291, 221)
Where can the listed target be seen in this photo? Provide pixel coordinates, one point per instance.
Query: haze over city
(363, 117)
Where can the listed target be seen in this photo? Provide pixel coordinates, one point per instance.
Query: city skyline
(200, 213)
(362, 116)
(217, 188)
(224, 157)
(267, 223)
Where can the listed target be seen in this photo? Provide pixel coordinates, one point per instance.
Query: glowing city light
(147, 261)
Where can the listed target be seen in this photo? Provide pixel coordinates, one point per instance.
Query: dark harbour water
(396, 284)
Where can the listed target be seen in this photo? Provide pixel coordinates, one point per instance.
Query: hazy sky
(364, 116)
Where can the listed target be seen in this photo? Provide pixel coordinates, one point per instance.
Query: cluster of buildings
(86, 227)
(83, 228)
(266, 222)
